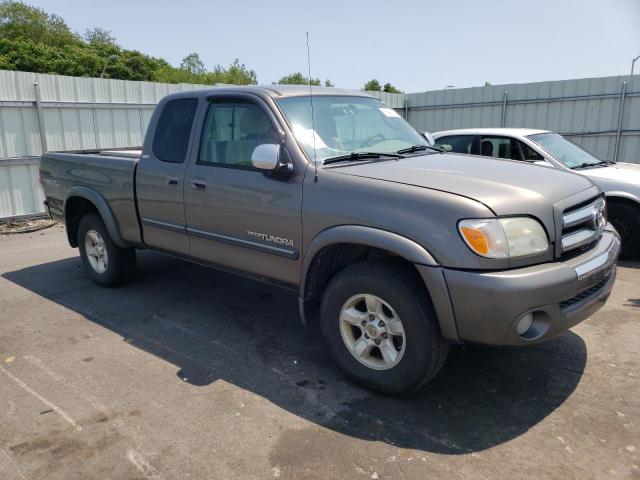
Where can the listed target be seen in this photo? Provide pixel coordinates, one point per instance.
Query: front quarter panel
(613, 188)
(427, 217)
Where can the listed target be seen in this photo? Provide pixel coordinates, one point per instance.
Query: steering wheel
(369, 140)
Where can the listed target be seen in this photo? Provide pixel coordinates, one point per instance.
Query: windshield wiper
(359, 156)
(417, 148)
(587, 164)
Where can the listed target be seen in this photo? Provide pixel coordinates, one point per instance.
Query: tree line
(33, 40)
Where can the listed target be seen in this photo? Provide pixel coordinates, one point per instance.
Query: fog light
(524, 324)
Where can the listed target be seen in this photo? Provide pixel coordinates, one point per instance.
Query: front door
(236, 215)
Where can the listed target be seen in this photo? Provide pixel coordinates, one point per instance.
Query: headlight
(504, 237)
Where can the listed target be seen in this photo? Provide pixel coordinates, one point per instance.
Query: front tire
(626, 221)
(381, 329)
(103, 261)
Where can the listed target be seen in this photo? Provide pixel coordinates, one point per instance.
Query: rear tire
(103, 261)
(380, 327)
(626, 220)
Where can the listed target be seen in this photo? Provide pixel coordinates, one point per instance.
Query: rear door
(500, 147)
(509, 147)
(236, 215)
(160, 176)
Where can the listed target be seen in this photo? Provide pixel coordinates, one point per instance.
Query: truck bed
(126, 153)
(109, 172)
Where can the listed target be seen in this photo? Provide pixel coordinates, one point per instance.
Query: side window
(530, 154)
(174, 127)
(456, 143)
(500, 147)
(232, 131)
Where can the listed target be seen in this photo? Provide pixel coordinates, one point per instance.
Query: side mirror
(429, 138)
(272, 160)
(266, 156)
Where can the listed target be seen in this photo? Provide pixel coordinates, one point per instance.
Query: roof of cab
(513, 132)
(274, 91)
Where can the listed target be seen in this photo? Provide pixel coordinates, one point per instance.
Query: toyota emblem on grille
(598, 217)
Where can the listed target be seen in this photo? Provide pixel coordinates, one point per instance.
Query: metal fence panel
(85, 113)
(20, 193)
(585, 110)
(393, 100)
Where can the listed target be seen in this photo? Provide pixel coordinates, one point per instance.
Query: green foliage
(373, 86)
(19, 21)
(237, 74)
(329, 83)
(390, 88)
(192, 64)
(298, 79)
(41, 58)
(32, 40)
(99, 36)
(76, 60)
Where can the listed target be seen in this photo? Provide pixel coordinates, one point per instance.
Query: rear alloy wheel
(380, 327)
(96, 251)
(106, 263)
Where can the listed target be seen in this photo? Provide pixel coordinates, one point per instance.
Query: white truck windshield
(570, 154)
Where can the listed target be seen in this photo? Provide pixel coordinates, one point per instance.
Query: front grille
(582, 226)
(584, 294)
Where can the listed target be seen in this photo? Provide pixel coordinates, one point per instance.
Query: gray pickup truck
(397, 248)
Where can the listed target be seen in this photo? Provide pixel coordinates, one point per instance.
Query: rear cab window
(172, 133)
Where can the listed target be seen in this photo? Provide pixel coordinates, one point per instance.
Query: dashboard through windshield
(343, 125)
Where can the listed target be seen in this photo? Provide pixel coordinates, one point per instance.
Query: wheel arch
(623, 197)
(82, 200)
(337, 247)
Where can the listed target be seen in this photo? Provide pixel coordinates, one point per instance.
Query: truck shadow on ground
(629, 263)
(214, 326)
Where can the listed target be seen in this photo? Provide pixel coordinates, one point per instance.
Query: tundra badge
(270, 238)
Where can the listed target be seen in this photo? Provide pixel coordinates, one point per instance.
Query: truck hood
(506, 187)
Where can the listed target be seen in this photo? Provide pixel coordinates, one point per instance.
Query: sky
(415, 45)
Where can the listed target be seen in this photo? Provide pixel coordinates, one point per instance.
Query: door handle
(198, 184)
(172, 181)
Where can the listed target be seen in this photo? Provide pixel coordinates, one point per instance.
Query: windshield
(570, 154)
(346, 125)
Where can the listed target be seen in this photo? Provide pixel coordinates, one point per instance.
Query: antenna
(313, 127)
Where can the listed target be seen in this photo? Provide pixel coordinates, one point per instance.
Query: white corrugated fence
(55, 112)
(586, 110)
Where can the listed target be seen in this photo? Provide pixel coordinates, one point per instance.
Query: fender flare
(103, 208)
(368, 236)
(623, 195)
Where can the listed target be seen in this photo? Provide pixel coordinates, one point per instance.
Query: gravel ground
(27, 225)
(190, 373)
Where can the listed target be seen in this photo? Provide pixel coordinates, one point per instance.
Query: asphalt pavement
(191, 373)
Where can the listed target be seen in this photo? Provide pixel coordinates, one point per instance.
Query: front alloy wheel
(372, 331)
(380, 328)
